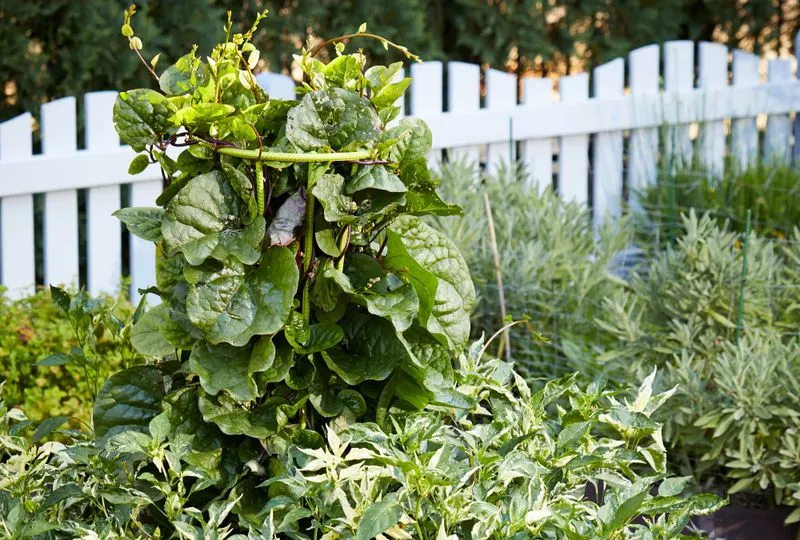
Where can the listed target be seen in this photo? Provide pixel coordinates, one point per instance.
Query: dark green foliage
(35, 330)
(63, 47)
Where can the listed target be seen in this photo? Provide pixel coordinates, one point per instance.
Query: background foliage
(65, 48)
(33, 328)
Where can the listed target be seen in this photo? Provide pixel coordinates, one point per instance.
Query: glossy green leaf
(334, 118)
(231, 369)
(128, 400)
(329, 192)
(233, 419)
(143, 222)
(236, 303)
(431, 263)
(201, 220)
(184, 76)
(142, 117)
(374, 177)
(138, 164)
(146, 335)
(369, 351)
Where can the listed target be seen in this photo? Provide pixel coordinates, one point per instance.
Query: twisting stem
(344, 243)
(259, 165)
(256, 155)
(308, 248)
(316, 50)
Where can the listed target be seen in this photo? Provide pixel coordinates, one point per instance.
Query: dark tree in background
(54, 48)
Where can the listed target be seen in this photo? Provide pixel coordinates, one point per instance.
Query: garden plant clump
(309, 372)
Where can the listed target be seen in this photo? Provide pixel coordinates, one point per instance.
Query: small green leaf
(61, 298)
(138, 164)
(374, 177)
(337, 206)
(47, 426)
(57, 359)
(141, 117)
(143, 222)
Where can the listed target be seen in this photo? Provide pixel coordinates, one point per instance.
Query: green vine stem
(257, 155)
(259, 166)
(344, 241)
(308, 247)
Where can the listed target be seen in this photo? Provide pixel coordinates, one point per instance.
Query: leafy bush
(726, 334)
(513, 463)
(556, 268)
(33, 328)
(308, 371)
(769, 191)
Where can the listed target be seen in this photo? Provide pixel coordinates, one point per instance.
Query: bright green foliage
(555, 269)
(47, 369)
(736, 417)
(509, 463)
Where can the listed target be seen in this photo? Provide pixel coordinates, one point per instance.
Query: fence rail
(591, 142)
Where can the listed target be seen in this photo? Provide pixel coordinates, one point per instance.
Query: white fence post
(573, 158)
(779, 126)
(678, 80)
(17, 257)
(103, 231)
(60, 138)
(464, 96)
(713, 69)
(744, 136)
(609, 83)
(426, 97)
(537, 154)
(501, 96)
(643, 144)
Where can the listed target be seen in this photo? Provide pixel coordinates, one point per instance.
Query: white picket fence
(518, 120)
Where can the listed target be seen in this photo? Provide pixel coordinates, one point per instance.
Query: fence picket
(609, 83)
(643, 143)
(678, 79)
(713, 70)
(142, 252)
(103, 232)
(464, 96)
(779, 126)
(537, 154)
(59, 138)
(573, 158)
(501, 95)
(426, 97)
(744, 136)
(17, 258)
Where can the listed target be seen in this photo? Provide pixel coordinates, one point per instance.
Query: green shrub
(514, 463)
(33, 328)
(727, 335)
(556, 268)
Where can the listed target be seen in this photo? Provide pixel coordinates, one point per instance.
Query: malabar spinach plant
(296, 279)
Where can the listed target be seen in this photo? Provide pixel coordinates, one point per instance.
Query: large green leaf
(146, 335)
(141, 117)
(337, 206)
(233, 419)
(143, 222)
(128, 400)
(432, 264)
(374, 177)
(204, 219)
(236, 303)
(334, 118)
(410, 139)
(378, 517)
(227, 368)
(370, 350)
